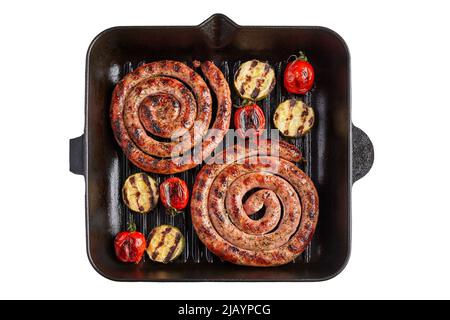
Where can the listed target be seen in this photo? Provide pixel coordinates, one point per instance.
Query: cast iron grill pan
(336, 152)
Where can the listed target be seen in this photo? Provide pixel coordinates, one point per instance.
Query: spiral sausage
(155, 99)
(222, 221)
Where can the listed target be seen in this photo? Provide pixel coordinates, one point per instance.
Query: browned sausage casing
(169, 100)
(221, 217)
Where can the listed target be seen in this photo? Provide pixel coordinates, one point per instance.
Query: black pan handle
(77, 155)
(363, 153)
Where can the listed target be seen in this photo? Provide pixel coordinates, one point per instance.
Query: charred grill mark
(184, 91)
(156, 128)
(255, 92)
(173, 248)
(217, 78)
(153, 194)
(292, 103)
(254, 63)
(133, 181)
(130, 148)
(198, 196)
(272, 84)
(201, 183)
(242, 90)
(144, 177)
(155, 100)
(139, 90)
(305, 112)
(161, 242)
(206, 107)
(205, 231)
(176, 67)
(147, 113)
(223, 108)
(216, 213)
(223, 179)
(218, 193)
(137, 133)
(139, 206)
(260, 82)
(304, 238)
(118, 132)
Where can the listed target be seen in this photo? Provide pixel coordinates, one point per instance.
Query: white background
(400, 83)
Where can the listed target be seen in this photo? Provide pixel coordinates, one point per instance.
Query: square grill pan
(329, 148)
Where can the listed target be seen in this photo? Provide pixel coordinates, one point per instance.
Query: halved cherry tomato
(249, 117)
(130, 245)
(299, 75)
(174, 194)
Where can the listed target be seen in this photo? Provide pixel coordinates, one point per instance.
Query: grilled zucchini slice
(254, 80)
(165, 243)
(140, 193)
(294, 118)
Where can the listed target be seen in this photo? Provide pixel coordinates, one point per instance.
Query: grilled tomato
(299, 75)
(254, 80)
(174, 194)
(165, 243)
(293, 118)
(130, 245)
(249, 120)
(140, 193)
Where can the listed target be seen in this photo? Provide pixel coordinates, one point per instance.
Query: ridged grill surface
(195, 250)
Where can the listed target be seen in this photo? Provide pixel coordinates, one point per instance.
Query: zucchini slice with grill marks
(165, 243)
(140, 193)
(254, 80)
(293, 118)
